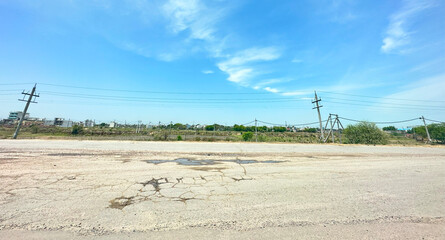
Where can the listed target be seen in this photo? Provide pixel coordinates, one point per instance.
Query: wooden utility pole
(426, 129)
(26, 108)
(319, 115)
(332, 128)
(338, 127)
(331, 131)
(256, 130)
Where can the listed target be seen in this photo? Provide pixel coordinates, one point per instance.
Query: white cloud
(271, 81)
(273, 90)
(207, 71)
(239, 66)
(239, 75)
(429, 89)
(295, 93)
(194, 16)
(396, 33)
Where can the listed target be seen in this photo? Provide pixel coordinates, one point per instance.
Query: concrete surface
(60, 189)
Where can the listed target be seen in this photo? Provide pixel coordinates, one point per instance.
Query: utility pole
(331, 131)
(26, 108)
(139, 126)
(332, 128)
(171, 125)
(426, 129)
(319, 116)
(256, 130)
(338, 127)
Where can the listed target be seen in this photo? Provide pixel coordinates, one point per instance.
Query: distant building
(47, 122)
(17, 115)
(60, 122)
(89, 123)
(67, 123)
(112, 124)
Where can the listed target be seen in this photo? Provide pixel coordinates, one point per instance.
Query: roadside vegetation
(361, 133)
(365, 133)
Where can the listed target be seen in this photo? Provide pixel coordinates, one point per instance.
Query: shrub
(247, 136)
(365, 133)
(179, 138)
(77, 130)
(34, 129)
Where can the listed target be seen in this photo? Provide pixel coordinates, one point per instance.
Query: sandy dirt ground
(56, 189)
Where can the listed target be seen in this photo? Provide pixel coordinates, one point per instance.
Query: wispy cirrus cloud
(272, 90)
(397, 33)
(207, 71)
(428, 89)
(241, 66)
(192, 15)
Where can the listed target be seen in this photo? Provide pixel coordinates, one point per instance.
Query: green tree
(389, 128)
(247, 136)
(179, 126)
(365, 133)
(437, 132)
(239, 128)
(311, 130)
(279, 129)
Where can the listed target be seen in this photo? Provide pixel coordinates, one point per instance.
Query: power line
(9, 90)
(295, 125)
(247, 123)
(113, 97)
(434, 120)
(402, 99)
(156, 92)
(274, 124)
(388, 107)
(354, 120)
(385, 103)
(14, 84)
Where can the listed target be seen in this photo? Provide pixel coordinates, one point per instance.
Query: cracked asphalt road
(64, 189)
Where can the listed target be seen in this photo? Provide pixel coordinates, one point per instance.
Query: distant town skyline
(223, 62)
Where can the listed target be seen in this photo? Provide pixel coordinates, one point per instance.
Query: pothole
(192, 162)
(121, 202)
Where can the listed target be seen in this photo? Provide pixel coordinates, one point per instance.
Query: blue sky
(222, 61)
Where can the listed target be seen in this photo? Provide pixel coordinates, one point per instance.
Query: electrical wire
(388, 107)
(247, 123)
(111, 97)
(14, 84)
(398, 104)
(353, 120)
(155, 92)
(401, 99)
(434, 120)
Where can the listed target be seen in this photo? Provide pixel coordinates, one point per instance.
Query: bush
(34, 129)
(247, 136)
(365, 133)
(437, 132)
(77, 130)
(179, 138)
(389, 128)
